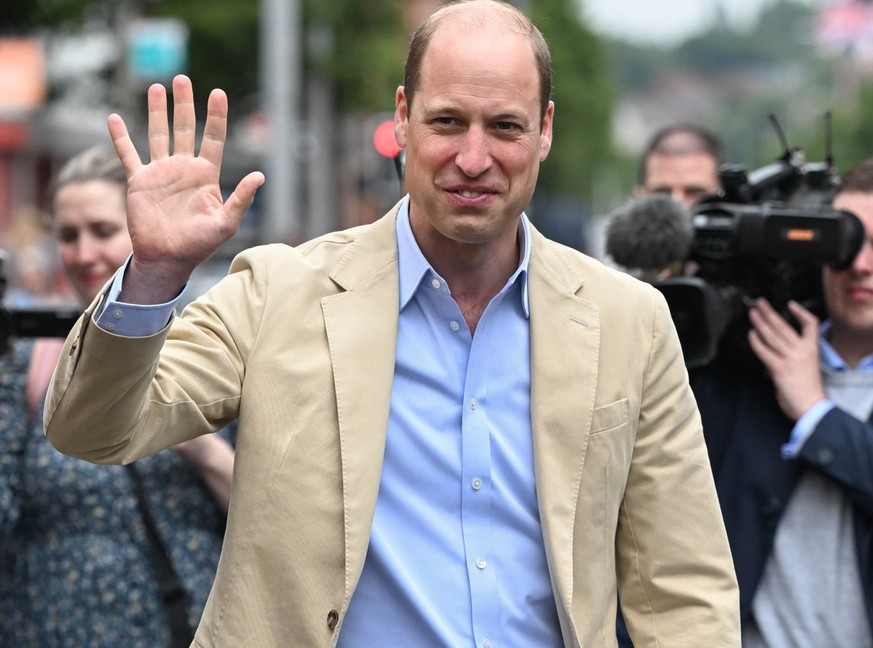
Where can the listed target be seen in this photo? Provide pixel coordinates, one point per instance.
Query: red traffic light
(384, 140)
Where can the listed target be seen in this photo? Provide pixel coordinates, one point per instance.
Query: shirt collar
(414, 267)
(830, 359)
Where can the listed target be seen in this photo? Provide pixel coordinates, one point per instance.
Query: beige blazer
(298, 343)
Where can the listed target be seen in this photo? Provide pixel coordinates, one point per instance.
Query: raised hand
(791, 358)
(175, 212)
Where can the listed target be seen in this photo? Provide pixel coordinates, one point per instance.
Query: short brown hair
(858, 179)
(696, 139)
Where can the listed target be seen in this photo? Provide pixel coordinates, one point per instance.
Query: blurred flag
(846, 28)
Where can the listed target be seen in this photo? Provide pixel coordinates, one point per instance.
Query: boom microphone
(649, 235)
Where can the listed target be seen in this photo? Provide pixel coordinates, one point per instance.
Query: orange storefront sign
(22, 74)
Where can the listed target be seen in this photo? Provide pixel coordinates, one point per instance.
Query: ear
(401, 117)
(546, 132)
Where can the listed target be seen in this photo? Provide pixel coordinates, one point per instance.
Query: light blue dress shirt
(456, 555)
(807, 423)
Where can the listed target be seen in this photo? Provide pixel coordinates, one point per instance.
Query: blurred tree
(853, 130)
(368, 47)
(361, 49)
(21, 17)
(223, 43)
(583, 95)
(781, 36)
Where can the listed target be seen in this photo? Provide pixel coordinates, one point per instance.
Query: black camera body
(30, 322)
(765, 234)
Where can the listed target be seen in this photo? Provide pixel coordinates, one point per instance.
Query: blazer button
(332, 619)
(825, 456)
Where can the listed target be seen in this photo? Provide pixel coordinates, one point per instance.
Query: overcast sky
(667, 21)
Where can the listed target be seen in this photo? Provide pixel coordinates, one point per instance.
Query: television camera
(766, 233)
(30, 322)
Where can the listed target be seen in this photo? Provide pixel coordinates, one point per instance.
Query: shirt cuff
(805, 426)
(132, 320)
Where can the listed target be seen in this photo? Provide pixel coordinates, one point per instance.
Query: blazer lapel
(361, 327)
(565, 346)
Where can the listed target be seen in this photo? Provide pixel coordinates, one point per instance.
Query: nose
(86, 250)
(473, 157)
(681, 196)
(863, 263)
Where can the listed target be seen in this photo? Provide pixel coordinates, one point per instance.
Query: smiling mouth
(861, 291)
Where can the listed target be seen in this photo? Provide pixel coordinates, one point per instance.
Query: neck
(474, 272)
(851, 345)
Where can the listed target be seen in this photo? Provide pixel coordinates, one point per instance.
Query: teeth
(470, 194)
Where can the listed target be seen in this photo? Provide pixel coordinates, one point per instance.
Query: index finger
(124, 147)
(806, 318)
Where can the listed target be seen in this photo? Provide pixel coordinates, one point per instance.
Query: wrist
(152, 282)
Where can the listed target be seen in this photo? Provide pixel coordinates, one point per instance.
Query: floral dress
(76, 567)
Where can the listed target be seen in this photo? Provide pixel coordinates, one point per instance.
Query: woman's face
(90, 227)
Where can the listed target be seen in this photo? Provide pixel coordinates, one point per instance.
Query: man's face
(849, 293)
(685, 177)
(474, 137)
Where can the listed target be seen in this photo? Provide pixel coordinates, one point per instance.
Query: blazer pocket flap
(609, 417)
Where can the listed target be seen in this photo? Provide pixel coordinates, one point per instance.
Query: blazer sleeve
(676, 577)
(115, 399)
(841, 447)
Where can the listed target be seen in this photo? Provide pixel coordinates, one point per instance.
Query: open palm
(176, 214)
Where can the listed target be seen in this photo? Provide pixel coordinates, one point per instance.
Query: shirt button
(486, 644)
(473, 404)
(454, 325)
(109, 326)
(477, 484)
(117, 313)
(435, 283)
(481, 564)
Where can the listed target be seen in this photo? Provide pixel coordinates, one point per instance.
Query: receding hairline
(478, 15)
(475, 14)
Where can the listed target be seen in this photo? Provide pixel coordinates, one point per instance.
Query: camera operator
(791, 449)
(681, 161)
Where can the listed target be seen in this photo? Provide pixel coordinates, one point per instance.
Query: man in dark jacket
(792, 454)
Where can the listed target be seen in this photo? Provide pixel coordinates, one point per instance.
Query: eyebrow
(452, 109)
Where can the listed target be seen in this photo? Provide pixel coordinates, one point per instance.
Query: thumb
(241, 199)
